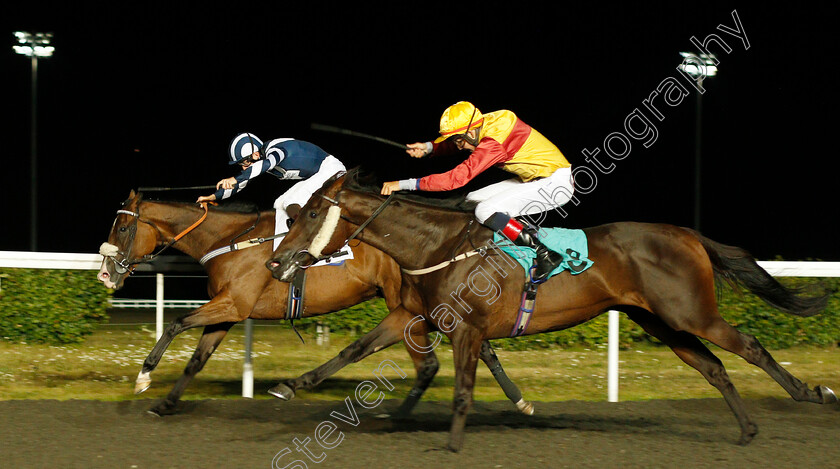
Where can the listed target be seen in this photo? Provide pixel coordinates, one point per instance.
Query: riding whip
(337, 130)
(153, 189)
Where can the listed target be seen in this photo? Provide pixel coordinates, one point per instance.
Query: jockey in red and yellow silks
(504, 141)
(543, 182)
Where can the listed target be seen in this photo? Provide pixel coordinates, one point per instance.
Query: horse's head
(318, 230)
(129, 240)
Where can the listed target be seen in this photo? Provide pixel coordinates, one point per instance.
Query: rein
(481, 251)
(370, 219)
(127, 264)
(361, 227)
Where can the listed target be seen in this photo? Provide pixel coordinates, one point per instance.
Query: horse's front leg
(212, 312)
(209, 342)
(425, 364)
(144, 378)
(388, 332)
(466, 346)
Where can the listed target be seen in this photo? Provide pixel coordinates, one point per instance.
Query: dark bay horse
(240, 287)
(661, 276)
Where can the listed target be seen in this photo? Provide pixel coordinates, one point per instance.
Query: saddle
(569, 253)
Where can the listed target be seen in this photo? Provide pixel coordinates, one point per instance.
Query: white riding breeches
(516, 198)
(301, 192)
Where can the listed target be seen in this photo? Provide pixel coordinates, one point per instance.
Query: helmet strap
(253, 145)
(474, 140)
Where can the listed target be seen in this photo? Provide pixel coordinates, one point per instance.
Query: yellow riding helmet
(459, 118)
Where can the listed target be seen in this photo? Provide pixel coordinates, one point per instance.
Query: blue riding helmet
(242, 146)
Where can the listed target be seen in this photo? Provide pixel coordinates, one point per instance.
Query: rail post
(158, 306)
(247, 368)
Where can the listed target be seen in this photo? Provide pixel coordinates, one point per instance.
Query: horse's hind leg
(488, 356)
(210, 340)
(698, 356)
(388, 332)
(748, 347)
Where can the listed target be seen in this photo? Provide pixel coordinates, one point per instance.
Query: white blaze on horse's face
(326, 232)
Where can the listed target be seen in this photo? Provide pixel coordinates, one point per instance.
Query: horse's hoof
(164, 408)
(401, 415)
(748, 435)
(453, 447)
(282, 391)
(144, 382)
(525, 407)
(828, 396)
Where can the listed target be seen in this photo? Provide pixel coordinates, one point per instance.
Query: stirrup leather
(526, 306)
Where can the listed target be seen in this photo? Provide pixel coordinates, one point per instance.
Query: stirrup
(531, 273)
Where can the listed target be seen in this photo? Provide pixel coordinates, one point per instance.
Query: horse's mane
(361, 181)
(231, 206)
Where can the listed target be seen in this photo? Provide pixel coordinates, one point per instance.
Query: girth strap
(248, 243)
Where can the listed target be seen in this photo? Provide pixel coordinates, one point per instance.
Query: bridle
(123, 265)
(126, 264)
(335, 202)
(453, 258)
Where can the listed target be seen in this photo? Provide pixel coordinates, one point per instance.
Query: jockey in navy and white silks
(284, 158)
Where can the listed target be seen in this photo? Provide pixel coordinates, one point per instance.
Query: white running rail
(61, 260)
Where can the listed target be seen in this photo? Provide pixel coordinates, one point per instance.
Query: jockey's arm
(227, 187)
(422, 149)
(488, 153)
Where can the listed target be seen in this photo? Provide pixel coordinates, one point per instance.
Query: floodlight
(36, 44)
(699, 64)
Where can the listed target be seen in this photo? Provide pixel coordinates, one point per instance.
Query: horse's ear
(133, 196)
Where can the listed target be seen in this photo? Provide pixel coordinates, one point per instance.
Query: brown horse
(661, 276)
(241, 288)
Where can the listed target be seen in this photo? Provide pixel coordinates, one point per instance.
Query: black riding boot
(547, 260)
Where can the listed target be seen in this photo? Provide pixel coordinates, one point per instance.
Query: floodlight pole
(698, 66)
(33, 45)
(698, 134)
(33, 159)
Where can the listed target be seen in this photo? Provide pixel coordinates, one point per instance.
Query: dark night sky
(151, 96)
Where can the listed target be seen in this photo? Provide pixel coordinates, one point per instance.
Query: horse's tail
(737, 267)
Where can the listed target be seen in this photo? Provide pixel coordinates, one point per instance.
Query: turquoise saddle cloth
(571, 244)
